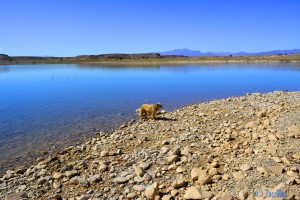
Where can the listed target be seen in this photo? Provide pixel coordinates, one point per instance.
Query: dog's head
(159, 106)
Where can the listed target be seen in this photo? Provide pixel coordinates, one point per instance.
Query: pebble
(104, 153)
(180, 169)
(94, 178)
(167, 197)
(172, 159)
(57, 175)
(103, 168)
(238, 176)
(245, 167)
(139, 171)
(296, 156)
(272, 137)
(276, 170)
(139, 187)
(131, 195)
(263, 171)
(70, 174)
(22, 187)
(120, 180)
(277, 159)
(145, 165)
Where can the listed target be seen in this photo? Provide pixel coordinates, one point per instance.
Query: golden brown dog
(148, 110)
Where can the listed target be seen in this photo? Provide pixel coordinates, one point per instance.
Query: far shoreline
(147, 59)
(146, 63)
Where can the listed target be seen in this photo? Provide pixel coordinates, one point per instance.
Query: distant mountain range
(188, 52)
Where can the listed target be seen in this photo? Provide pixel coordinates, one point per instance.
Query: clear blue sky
(74, 27)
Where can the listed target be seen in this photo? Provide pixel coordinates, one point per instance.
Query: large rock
(179, 181)
(196, 172)
(204, 179)
(151, 191)
(196, 193)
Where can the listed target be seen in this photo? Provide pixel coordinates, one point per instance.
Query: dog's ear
(159, 105)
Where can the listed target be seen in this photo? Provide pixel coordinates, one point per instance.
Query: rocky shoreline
(236, 148)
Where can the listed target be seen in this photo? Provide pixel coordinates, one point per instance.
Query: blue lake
(44, 108)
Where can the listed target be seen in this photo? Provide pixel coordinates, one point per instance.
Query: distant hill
(83, 58)
(4, 57)
(180, 56)
(188, 52)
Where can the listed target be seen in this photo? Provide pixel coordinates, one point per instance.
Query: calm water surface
(46, 107)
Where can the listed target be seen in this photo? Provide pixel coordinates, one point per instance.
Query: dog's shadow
(165, 119)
